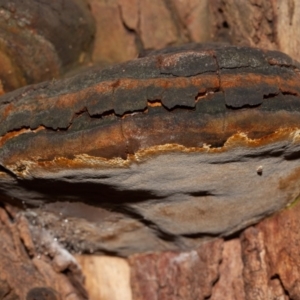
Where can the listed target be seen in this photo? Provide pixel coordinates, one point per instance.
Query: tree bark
(33, 265)
(38, 256)
(261, 262)
(269, 24)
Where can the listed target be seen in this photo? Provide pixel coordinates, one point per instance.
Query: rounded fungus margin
(165, 147)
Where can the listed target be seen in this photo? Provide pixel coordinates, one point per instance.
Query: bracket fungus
(169, 149)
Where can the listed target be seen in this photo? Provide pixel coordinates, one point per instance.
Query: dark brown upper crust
(191, 95)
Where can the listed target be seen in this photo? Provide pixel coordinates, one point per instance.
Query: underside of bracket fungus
(161, 152)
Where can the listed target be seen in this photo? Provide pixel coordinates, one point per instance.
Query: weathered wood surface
(138, 26)
(33, 265)
(151, 24)
(269, 24)
(37, 40)
(262, 262)
(107, 277)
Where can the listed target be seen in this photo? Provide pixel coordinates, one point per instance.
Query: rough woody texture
(37, 40)
(230, 283)
(270, 252)
(189, 275)
(114, 42)
(262, 262)
(270, 24)
(142, 25)
(108, 277)
(33, 265)
(155, 149)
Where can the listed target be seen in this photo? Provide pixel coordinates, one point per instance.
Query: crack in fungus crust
(175, 76)
(191, 95)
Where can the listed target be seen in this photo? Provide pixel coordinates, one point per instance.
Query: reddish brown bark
(38, 42)
(262, 263)
(178, 276)
(270, 24)
(271, 257)
(32, 265)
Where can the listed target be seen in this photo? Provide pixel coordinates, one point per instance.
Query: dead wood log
(269, 24)
(33, 265)
(37, 40)
(262, 262)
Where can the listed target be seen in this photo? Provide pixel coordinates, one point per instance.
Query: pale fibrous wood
(106, 277)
